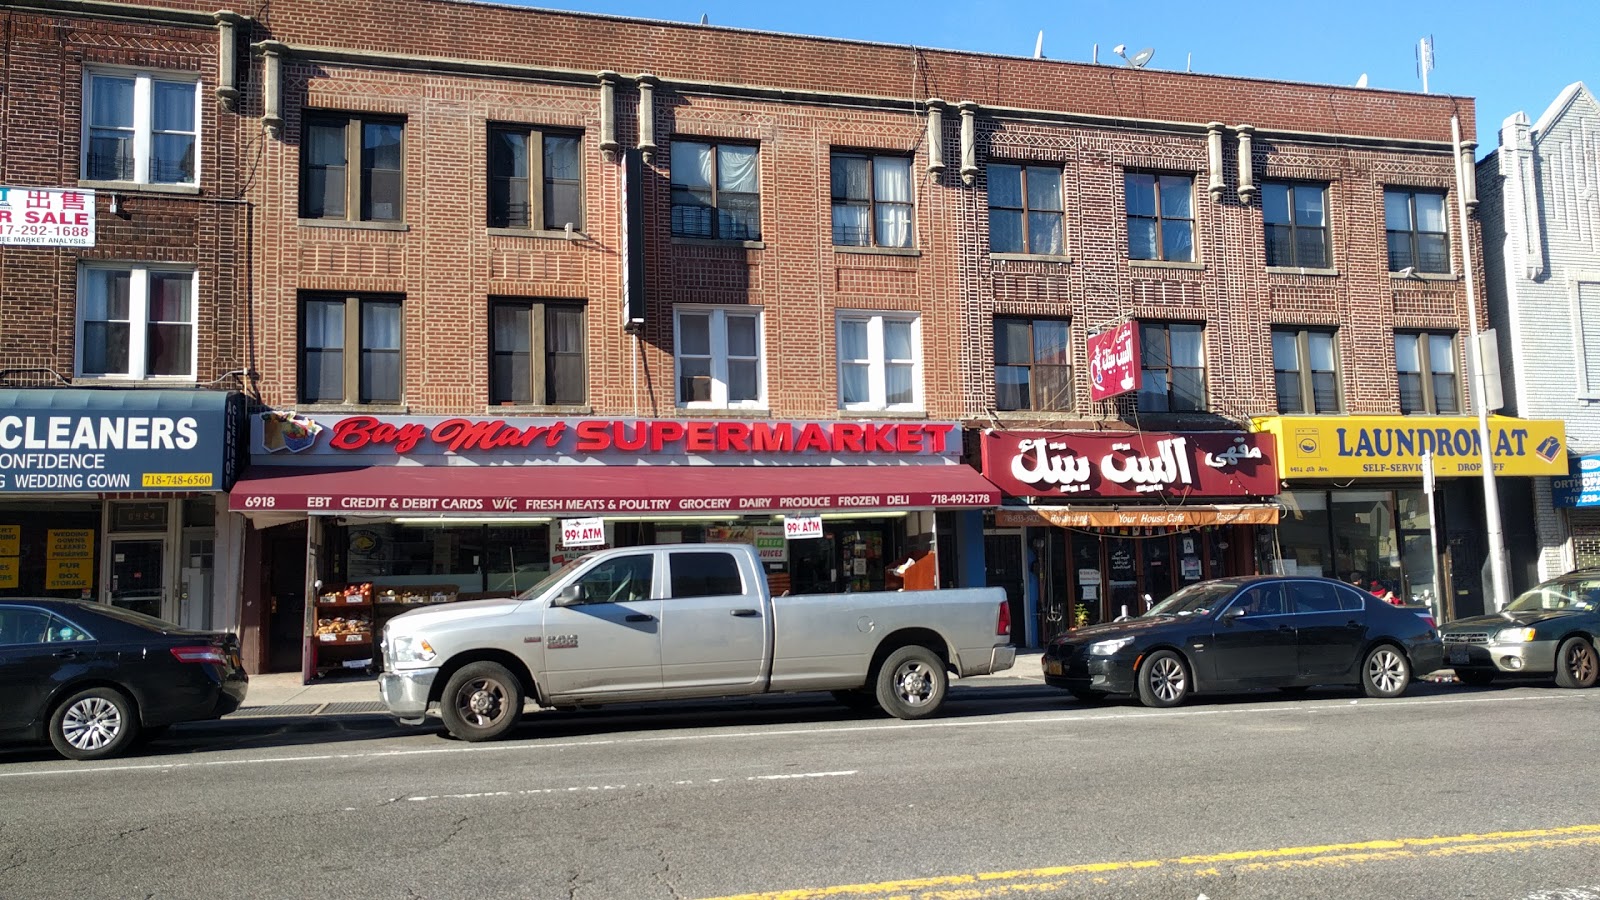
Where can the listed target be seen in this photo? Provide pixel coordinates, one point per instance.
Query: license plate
(1052, 667)
(1458, 656)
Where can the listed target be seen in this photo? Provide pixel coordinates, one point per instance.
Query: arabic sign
(1114, 361)
(1581, 487)
(1144, 464)
(796, 528)
(1393, 446)
(586, 532)
(46, 217)
(1137, 517)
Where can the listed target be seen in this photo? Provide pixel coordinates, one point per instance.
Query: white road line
(1010, 720)
(533, 792)
(1574, 893)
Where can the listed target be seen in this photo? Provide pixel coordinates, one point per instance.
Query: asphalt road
(1017, 792)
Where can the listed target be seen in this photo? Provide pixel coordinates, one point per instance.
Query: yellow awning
(1392, 446)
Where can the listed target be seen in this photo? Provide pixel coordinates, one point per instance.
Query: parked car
(93, 678)
(676, 621)
(1253, 632)
(1550, 630)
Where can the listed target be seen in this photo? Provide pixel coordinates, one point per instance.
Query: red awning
(610, 490)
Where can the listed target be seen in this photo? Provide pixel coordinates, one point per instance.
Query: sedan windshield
(1582, 595)
(1196, 599)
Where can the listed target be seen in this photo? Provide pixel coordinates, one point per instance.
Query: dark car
(1550, 630)
(93, 678)
(1238, 633)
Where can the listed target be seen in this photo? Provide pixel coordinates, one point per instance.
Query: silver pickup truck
(679, 621)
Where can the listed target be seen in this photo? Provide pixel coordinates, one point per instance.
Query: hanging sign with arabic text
(1136, 464)
(1114, 361)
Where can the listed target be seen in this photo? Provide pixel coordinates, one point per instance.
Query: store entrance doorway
(1002, 558)
(285, 559)
(138, 574)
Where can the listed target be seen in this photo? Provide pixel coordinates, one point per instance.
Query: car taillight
(1002, 627)
(198, 655)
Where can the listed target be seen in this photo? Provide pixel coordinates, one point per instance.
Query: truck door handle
(640, 617)
(65, 654)
(744, 613)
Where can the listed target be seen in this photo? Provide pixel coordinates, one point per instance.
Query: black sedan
(1239, 633)
(93, 678)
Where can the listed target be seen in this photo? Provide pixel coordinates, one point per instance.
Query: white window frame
(143, 123)
(138, 321)
(876, 377)
(1586, 360)
(719, 355)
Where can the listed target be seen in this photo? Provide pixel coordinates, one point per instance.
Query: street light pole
(1491, 498)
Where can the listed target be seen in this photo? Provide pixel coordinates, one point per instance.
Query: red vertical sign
(1114, 361)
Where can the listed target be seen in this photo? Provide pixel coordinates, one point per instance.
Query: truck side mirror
(571, 595)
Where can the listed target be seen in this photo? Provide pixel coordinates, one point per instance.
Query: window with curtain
(880, 365)
(142, 128)
(351, 349)
(1033, 364)
(352, 167)
(1415, 221)
(1160, 216)
(1172, 362)
(1025, 210)
(718, 355)
(518, 198)
(1297, 224)
(715, 191)
(1426, 364)
(1305, 363)
(536, 351)
(136, 322)
(872, 205)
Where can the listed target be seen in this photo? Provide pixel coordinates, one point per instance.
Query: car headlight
(408, 648)
(1106, 648)
(1514, 636)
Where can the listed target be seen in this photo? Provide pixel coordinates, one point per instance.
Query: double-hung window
(352, 168)
(350, 349)
(534, 178)
(715, 191)
(536, 353)
(880, 361)
(142, 127)
(136, 322)
(1296, 219)
(1160, 216)
(1173, 367)
(1306, 365)
(872, 204)
(1415, 221)
(719, 353)
(1025, 210)
(1426, 364)
(1032, 364)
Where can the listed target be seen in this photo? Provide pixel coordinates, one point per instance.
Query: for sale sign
(586, 532)
(46, 217)
(1114, 361)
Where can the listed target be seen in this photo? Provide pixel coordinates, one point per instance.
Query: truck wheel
(911, 683)
(97, 723)
(481, 701)
(858, 700)
(1575, 663)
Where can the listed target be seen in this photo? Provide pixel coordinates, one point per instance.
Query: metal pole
(1428, 485)
(1491, 498)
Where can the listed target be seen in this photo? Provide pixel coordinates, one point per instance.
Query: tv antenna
(1138, 60)
(1038, 46)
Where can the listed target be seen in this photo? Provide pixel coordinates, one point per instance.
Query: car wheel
(98, 723)
(1088, 696)
(1163, 680)
(1386, 672)
(911, 683)
(1576, 665)
(481, 701)
(1475, 677)
(860, 701)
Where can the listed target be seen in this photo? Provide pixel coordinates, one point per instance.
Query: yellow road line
(1021, 882)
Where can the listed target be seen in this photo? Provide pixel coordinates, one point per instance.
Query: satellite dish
(1118, 50)
(1038, 46)
(1142, 58)
(1362, 81)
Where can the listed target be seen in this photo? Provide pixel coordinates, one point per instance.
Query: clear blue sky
(1509, 56)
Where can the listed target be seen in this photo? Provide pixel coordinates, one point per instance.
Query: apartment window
(1173, 367)
(1427, 368)
(136, 322)
(1416, 224)
(142, 128)
(879, 362)
(719, 357)
(352, 168)
(1296, 217)
(871, 200)
(1160, 216)
(1032, 364)
(1025, 210)
(715, 191)
(517, 199)
(1306, 365)
(350, 349)
(536, 353)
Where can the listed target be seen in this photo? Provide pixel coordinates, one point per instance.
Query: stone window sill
(139, 187)
(541, 233)
(717, 242)
(1425, 276)
(370, 408)
(1059, 258)
(878, 251)
(357, 226)
(1300, 270)
(1165, 264)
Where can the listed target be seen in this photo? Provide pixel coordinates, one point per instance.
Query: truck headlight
(1514, 636)
(1106, 648)
(407, 648)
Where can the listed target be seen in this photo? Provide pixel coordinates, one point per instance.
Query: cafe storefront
(1356, 505)
(1104, 519)
(358, 517)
